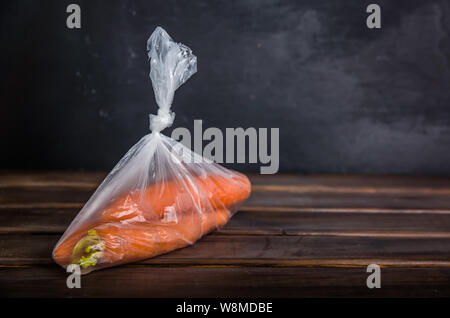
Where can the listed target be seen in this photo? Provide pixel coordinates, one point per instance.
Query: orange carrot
(203, 193)
(163, 217)
(108, 245)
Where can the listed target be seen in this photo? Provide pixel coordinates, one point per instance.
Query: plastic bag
(161, 196)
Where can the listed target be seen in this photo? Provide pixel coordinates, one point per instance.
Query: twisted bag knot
(161, 121)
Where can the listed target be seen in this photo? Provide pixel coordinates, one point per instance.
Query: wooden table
(296, 236)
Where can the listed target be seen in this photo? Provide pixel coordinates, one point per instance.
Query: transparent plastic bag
(161, 196)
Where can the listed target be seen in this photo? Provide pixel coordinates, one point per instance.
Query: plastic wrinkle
(161, 196)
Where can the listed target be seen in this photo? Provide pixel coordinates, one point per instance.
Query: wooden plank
(350, 201)
(13, 198)
(339, 224)
(10, 196)
(263, 222)
(413, 183)
(86, 179)
(296, 236)
(81, 179)
(59, 189)
(279, 251)
(41, 220)
(147, 281)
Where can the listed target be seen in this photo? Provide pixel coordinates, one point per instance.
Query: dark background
(347, 99)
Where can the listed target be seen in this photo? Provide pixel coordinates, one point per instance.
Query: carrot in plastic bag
(111, 244)
(208, 192)
(161, 196)
(151, 210)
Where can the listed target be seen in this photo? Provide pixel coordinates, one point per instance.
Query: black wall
(346, 99)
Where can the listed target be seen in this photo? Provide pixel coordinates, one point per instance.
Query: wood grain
(264, 222)
(60, 189)
(296, 236)
(273, 250)
(201, 281)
